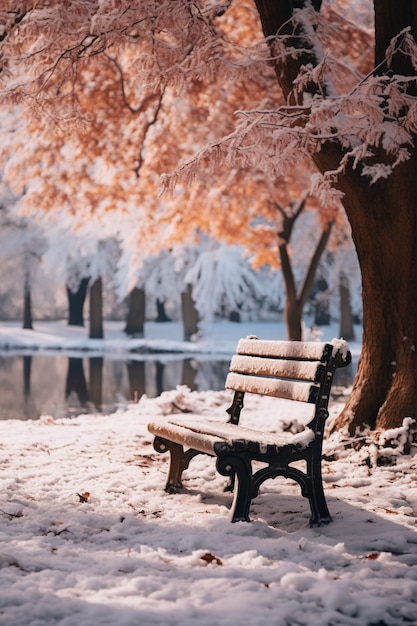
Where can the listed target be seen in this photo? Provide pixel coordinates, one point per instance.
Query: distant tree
(161, 315)
(76, 301)
(346, 330)
(96, 329)
(296, 300)
(23, 241)
(189, 314)
(135, 321)
(27, 304)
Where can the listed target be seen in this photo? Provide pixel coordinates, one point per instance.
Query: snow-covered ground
(88, 535)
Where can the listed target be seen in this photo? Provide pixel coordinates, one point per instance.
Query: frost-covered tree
(222, 279)
(356, 120)
(363, 142)
(24, 241)
(217, 277)
(82, 257)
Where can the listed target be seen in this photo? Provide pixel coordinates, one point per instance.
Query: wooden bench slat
(290, 390)
(314, 351)
(263, 366)
(184, 436)
(207, 433)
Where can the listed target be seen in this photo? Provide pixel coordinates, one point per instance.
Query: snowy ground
(88, 536)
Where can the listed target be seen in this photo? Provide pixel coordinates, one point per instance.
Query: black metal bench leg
(179, 461)
(319, 512)
(240, 468)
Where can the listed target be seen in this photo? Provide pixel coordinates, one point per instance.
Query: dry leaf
(210, 558)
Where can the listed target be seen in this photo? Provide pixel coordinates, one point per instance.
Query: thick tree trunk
(384, 230)
(384, 227)
(76, 302)
(96, 310)
(189, 314)
(135, 321)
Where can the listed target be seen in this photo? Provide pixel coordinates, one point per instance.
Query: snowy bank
(219, 338)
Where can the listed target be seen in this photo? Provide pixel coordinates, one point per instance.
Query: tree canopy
(183, 62)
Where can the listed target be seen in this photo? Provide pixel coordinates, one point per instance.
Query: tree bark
(384, 227)
(96, 310)
(384, 230)
(135, 321)
(76, 301)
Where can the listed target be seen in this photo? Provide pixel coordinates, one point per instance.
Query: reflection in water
(27, 365)
(61, 386)
(75, 383)
(96, 381)
(136, 373)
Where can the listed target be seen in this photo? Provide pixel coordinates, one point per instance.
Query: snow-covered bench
(299, 371)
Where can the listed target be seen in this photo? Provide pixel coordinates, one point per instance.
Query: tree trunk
(135, 321)
(96, 310)
(384, 227)
(322, 315)
(189, 314)
(346, 329)
(295, 303)
(293, 315)
(27, 306)
(76, 302)
(384, 230)
(161, 315)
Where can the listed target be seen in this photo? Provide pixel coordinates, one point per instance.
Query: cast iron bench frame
(299, 371)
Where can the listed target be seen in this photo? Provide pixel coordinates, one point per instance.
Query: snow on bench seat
(203, 435)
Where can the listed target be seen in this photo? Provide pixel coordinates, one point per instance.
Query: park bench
(292, 370)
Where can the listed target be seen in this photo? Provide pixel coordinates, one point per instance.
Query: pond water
(63, 385)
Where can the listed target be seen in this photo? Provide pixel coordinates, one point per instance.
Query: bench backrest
(294, 370)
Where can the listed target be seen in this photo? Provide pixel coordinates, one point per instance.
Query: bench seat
(210, 437)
